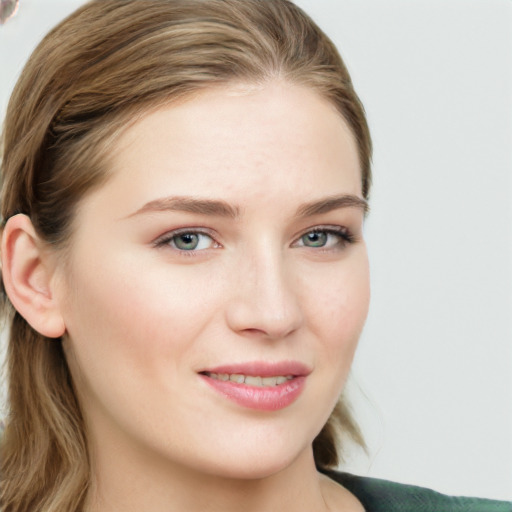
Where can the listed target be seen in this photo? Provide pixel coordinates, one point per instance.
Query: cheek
(125, 318)
(340, 308)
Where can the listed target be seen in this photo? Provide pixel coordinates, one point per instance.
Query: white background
(432, 382)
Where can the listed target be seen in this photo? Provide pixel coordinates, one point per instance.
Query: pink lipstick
(259, 385)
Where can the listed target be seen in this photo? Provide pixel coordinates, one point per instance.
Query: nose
(264, 301)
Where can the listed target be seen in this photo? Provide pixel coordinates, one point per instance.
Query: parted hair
(98, 70)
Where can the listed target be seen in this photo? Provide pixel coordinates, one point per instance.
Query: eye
(315, 239)
(325, 238)
(189, 240)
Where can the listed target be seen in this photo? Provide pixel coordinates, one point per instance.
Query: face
(217, 284)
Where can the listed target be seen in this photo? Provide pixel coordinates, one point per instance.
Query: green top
(383, 496)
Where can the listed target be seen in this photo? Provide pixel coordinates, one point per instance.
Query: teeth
(268, 381)
(251, 380)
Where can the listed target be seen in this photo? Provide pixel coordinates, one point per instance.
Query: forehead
(238, 140)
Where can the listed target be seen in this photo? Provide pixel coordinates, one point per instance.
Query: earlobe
(28, 277)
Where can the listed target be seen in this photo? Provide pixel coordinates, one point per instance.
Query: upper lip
(262, 369)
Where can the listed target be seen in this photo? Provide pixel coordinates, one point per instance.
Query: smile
(250, 380)
(258, 385)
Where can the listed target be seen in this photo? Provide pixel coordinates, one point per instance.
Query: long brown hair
(99, 69)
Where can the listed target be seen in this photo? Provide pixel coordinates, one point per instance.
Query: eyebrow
(223, 209)
(190, 205)
(331, 203)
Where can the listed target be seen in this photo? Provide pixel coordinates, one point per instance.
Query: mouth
(260, 386)
(250, 380)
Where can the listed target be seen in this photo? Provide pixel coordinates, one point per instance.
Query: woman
(185, 184)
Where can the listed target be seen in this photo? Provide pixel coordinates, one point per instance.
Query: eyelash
(345, 237)
(167, 240)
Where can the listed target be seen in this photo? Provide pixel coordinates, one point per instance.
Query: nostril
(254, 331)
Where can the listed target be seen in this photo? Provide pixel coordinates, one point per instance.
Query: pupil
(316, 239)
(186, 241)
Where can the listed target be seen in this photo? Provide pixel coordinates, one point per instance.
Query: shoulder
(378, 495)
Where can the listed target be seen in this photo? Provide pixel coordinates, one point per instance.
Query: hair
(104, 66)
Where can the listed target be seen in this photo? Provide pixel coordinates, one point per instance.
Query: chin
(260, 463)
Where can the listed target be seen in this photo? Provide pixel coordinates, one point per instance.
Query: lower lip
(270, 398)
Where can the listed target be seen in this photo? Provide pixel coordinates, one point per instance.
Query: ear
(27, 277)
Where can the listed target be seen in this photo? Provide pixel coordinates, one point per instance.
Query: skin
(143, 317)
